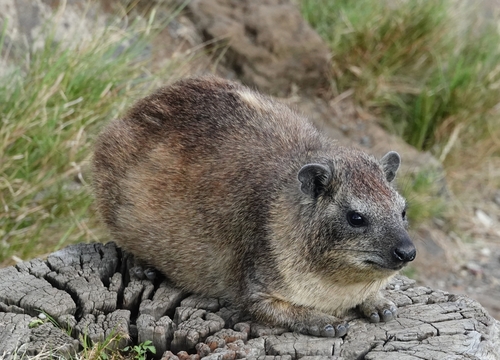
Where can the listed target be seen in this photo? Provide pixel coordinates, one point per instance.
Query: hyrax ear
(314, 179)
(390, 163)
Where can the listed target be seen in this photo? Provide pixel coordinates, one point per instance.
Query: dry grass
(54, 100)
(428, 69)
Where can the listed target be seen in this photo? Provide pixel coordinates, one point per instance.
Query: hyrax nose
(405, 251)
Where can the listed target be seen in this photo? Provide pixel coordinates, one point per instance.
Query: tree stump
(88, 292)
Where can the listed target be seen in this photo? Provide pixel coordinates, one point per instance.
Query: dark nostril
(405, 254)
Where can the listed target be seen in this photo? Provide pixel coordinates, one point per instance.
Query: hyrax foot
(139, 272)
(378, 309)
(327, 326)
(300, 319)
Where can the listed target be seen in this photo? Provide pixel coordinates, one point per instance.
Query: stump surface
(93, 291)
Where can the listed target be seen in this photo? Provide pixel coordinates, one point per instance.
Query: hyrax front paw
(305, 320)
(378, 309)
(327, 326)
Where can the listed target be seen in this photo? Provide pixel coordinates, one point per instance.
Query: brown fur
(200, 179)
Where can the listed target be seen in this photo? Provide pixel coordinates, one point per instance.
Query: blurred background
(419, 77)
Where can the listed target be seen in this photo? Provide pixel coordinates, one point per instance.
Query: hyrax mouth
(383, 265)
(399, 257)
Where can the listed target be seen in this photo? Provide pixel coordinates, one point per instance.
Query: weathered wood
(94, 291)
(193, 327)
(84, 272)
(165, 299)
(160, 331)
(100, 327)
(19, 337)
(29, 294)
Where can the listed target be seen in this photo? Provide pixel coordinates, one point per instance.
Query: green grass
(423, 191)
(426, 69)
(140, 351)
(53, 102)
(105, 349)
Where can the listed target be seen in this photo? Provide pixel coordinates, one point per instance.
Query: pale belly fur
(330, 298)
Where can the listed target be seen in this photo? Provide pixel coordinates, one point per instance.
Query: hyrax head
(360, 219)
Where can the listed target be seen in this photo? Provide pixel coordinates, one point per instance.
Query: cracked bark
(94, 290)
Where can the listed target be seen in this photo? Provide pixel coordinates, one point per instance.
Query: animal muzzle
(405, 250)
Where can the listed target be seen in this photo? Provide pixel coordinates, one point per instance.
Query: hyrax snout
(232, 194)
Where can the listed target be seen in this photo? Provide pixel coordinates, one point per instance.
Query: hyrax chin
(234, 195)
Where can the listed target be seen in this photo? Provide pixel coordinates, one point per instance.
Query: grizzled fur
(232, 194)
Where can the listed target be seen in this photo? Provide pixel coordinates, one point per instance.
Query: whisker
(355, 250)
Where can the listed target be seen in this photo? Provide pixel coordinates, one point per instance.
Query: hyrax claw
(379, 309)
(328, 331)
(232, 194)
(388, 315)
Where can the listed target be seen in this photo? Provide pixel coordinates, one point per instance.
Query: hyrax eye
(403, 214)
(355, 219)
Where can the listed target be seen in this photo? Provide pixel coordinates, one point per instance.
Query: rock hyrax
(232, 194)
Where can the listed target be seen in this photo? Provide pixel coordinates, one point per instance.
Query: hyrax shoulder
(232, 194)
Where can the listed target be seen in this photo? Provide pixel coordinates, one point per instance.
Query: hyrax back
(231, 194)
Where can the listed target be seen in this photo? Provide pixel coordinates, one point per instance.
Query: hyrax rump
(231, 194)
